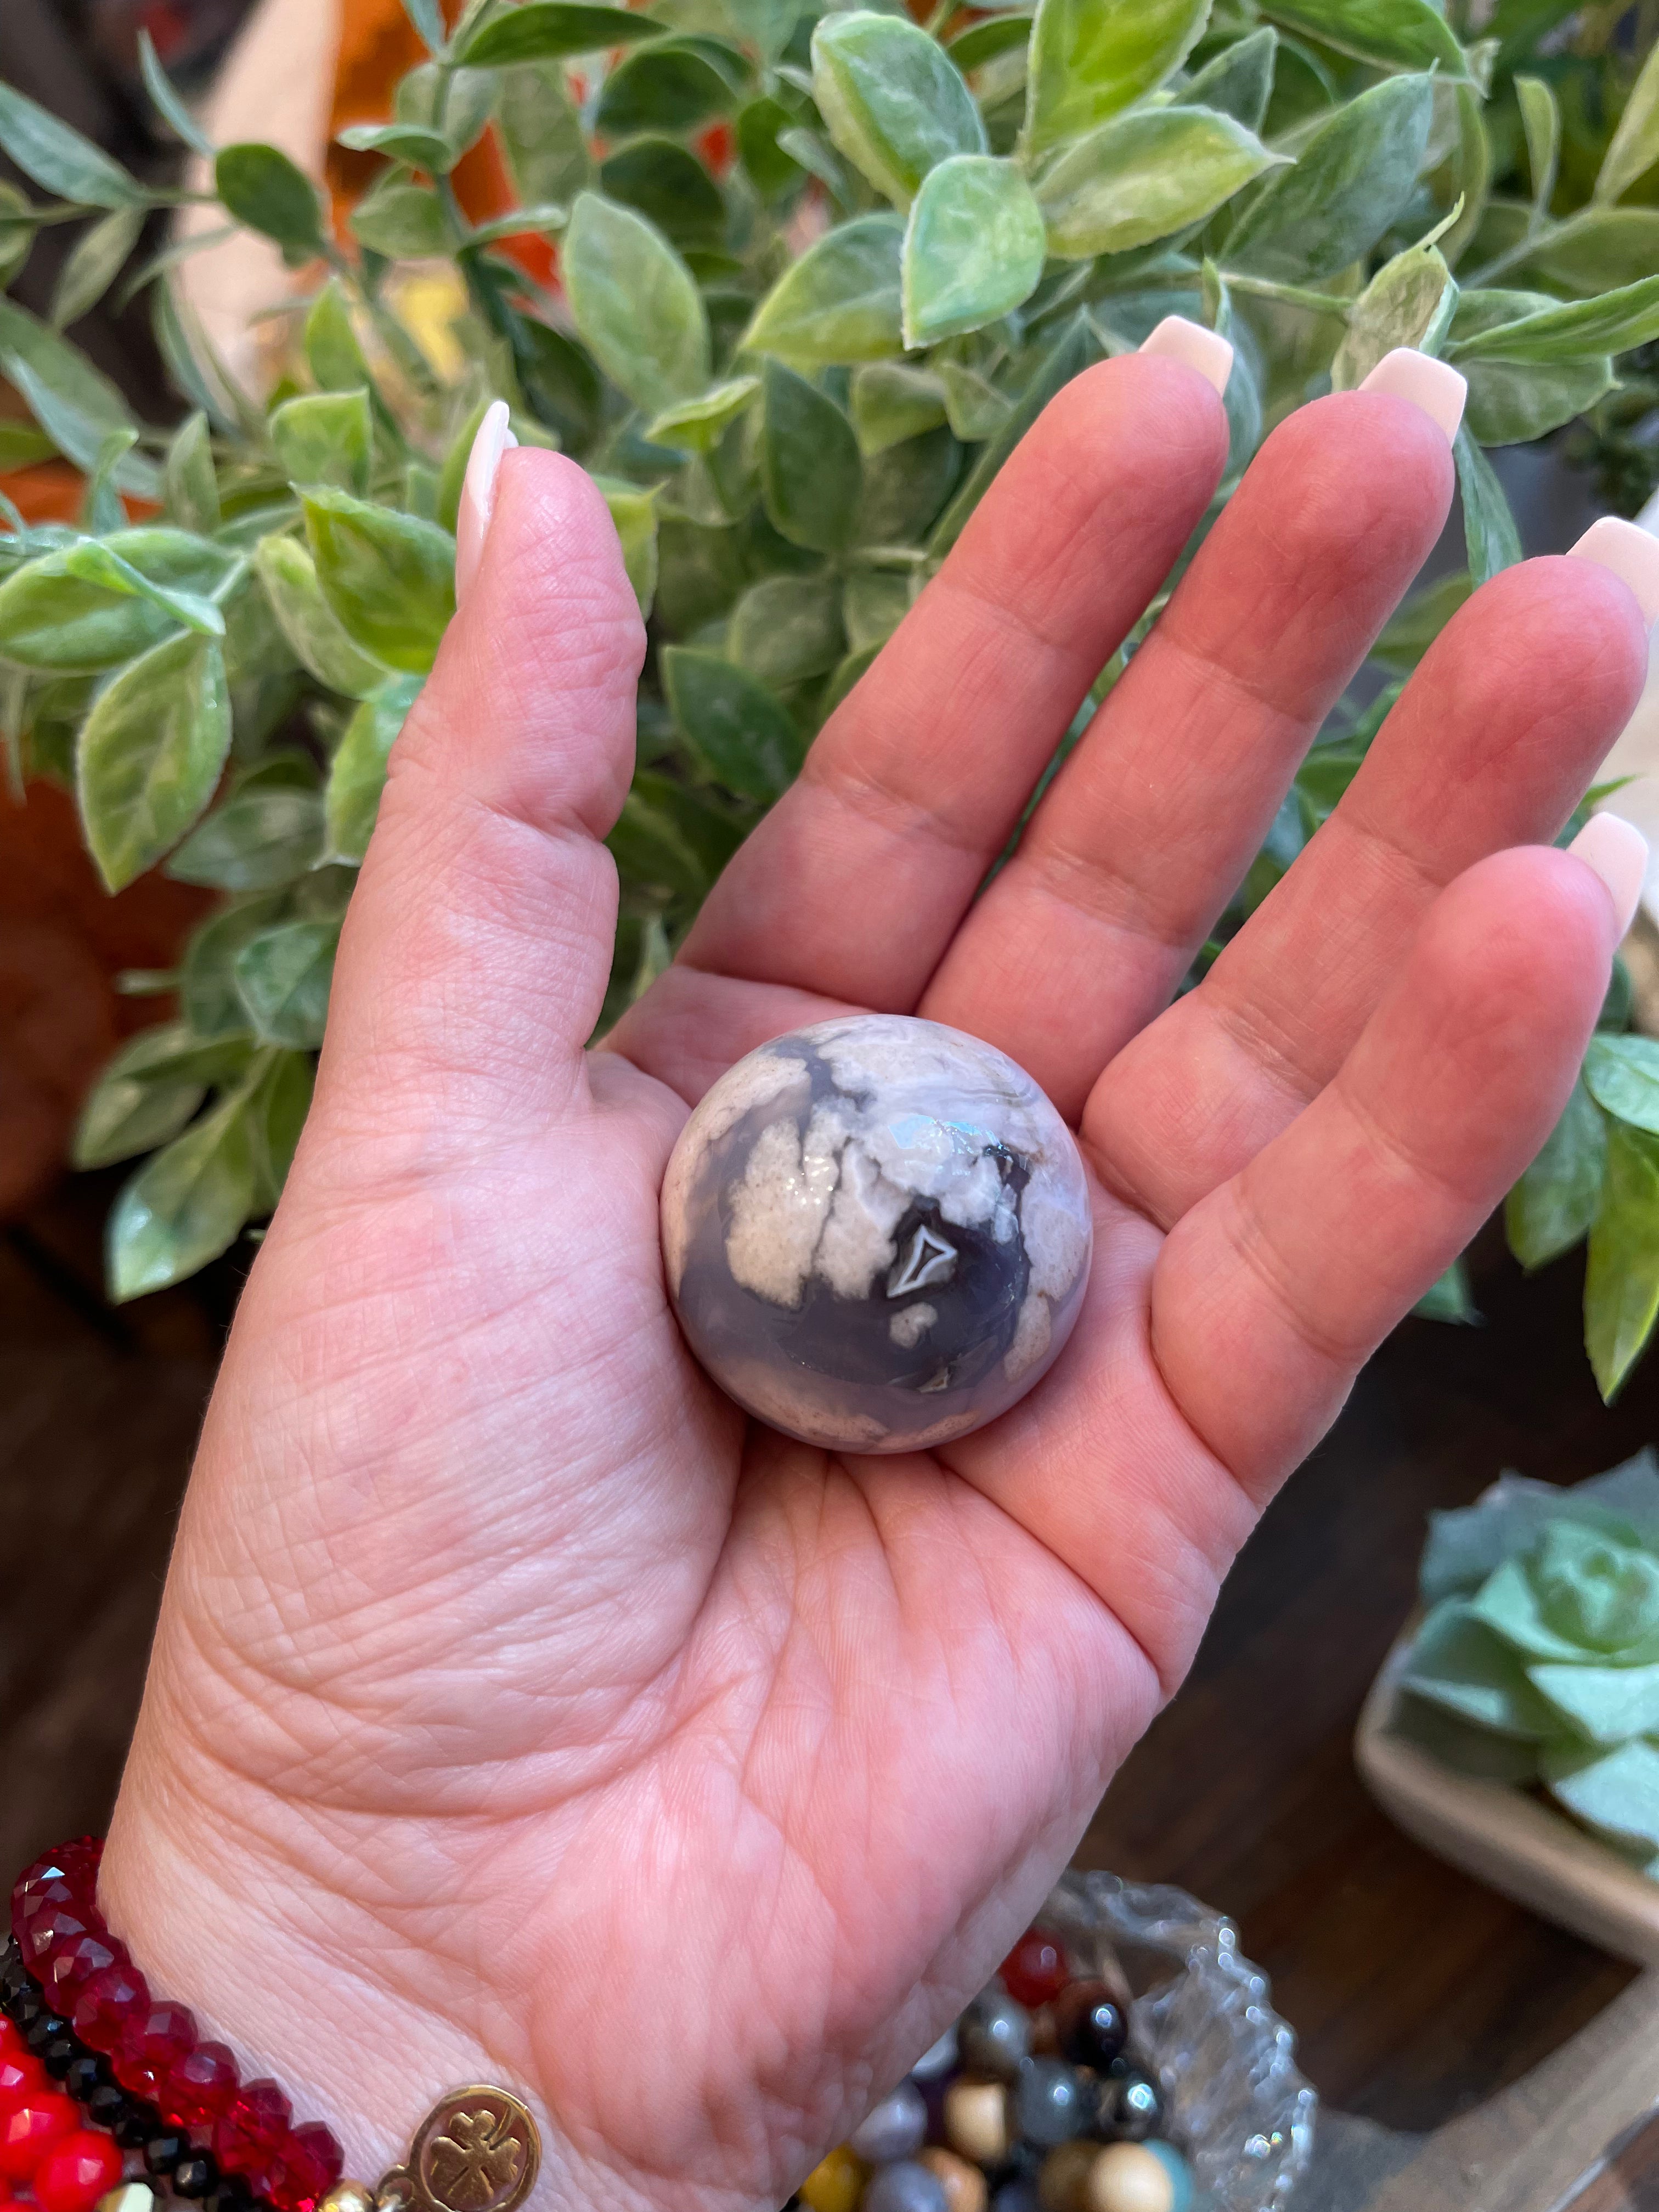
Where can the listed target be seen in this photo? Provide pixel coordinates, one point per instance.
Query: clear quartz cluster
(877, 1233)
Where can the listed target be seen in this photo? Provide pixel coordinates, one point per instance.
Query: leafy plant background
(818, 270)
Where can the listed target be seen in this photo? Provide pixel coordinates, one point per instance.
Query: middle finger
(1149, 826)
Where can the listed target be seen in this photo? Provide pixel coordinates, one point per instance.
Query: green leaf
(1489, 527)
(56, 619)
(428, 23)
(1239, 79)
(325, 438)
(671, 86)
(1634, 147)
(1457, 1663)
(283, 978)
(193, 487)
(182, 1207)
(666, 183)
(1596, 250)
(739, 731)
(1409, 302)
(786, 629)
(1578, 331)
(86, 406)
(874, 602)
(840, 302)
(165, 98)
(1552, 1206)
(265, 836)
(1540, 120)
(973, 248)
(84, 440)
(892, 100)
(1621, 1281)
(456, 103)
(635, 304)
(697, 425)
(60, 160)
(904, 488)
(288, 576)
(1512, 403)
(648, 848)
(403, 142)
(1070, 354)
(810, 471)
(277, 1114)
(389, 577)
(1616, 1792)
(1351, 181)
(991, 36)
(100, 255)
(1143, 175)
(890, 403)
(635, 513)
(1397, 33)
(405, 222)
(95, 561)
(150, 753)
(541, 135)
(1622, 1074)
(332, 352)
(1091, 57)
(263, 189)
(357, 776)
(146, 1094)
(975, 410)
(547, 30)
(772, 170)
(1447, 1297)
(207, 989)
(1608, 1704)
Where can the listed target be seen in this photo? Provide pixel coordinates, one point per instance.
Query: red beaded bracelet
(138, 2084)
(79, 2010)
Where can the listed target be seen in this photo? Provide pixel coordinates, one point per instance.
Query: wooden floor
(1416, 1993)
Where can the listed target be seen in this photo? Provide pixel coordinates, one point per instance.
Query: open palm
(520, 1710)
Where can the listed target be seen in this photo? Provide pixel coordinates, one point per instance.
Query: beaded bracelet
(139, 2085)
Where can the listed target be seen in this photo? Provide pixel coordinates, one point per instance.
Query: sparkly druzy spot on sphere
(877, 1233)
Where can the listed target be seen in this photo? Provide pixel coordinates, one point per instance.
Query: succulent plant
(1538, 1659)
(817, 271)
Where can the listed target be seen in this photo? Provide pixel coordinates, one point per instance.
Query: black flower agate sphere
(877, 1233)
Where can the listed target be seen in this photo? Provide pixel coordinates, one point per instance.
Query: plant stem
(1547, 233)
(1289, 295)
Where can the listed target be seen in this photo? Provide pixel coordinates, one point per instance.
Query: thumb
(474, 959)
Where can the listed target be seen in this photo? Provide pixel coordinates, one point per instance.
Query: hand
(518, 1710)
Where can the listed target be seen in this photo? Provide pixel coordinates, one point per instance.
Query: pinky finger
(1271, 1293)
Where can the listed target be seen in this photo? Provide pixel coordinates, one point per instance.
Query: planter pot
(1504, 1837)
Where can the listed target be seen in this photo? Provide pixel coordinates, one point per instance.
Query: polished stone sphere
(877, 1233)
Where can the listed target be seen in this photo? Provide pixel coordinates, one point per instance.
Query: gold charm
(476, 2151)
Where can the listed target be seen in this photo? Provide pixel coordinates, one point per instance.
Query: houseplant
(793, 348)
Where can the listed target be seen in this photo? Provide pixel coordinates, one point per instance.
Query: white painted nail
(1619, 853)
(478, 494)
(1633, 556)
(1433, 385)
(1207, 351)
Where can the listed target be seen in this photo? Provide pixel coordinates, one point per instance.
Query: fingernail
(1433, 385)
(478, 495)
(1619, 854)
(1633, 556)
(1207, 351)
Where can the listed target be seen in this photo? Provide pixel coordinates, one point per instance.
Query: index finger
(855, 882)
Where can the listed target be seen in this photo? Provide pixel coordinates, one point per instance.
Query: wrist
(298, 1980)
